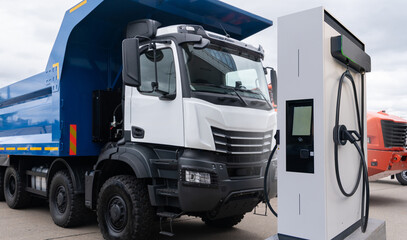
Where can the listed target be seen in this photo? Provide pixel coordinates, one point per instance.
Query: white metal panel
(127, 107)
(161, 120)
(27, 139)
(301, 201)
(342, 211)
(200, 116)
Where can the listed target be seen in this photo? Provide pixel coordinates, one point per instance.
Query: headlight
(197, 177)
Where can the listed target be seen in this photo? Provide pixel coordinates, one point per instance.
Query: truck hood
(200, 117)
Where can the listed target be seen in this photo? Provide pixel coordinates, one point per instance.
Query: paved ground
(388, 202)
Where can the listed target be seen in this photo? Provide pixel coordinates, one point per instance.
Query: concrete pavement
(388, 202)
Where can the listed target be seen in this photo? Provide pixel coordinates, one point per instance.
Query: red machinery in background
(386, 143)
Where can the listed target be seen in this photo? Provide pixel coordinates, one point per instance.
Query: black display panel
(300, 136)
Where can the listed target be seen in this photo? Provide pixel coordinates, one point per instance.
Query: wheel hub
(61, 199)
(117, 213)
(12, 186)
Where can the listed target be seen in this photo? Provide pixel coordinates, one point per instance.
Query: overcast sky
(28, 30)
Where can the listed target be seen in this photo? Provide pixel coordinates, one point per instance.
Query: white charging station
(310, 203)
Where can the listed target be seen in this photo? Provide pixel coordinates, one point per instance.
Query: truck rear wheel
(67, 209)
(402, 177)
(227, 222)
(14, 189)
(124, 210)
(1, 184)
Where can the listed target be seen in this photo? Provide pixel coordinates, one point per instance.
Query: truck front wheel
(14, 189)
(67, 209)
(227, 222)
(402, 177)
(124, 210)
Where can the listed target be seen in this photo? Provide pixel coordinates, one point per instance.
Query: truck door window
(165, 72)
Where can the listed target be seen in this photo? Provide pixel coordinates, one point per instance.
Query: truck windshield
(221, 70)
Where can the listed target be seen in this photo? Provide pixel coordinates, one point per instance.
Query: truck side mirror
(131, 62)
(273, 81)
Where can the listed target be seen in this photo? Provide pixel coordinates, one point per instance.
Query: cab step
(170, 216)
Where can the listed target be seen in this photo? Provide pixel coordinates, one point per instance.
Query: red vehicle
(386, 143)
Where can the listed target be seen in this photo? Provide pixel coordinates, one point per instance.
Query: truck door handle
(137, 132)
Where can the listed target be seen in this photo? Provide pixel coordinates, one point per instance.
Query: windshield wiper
(236, 91)
(256, 92)
(240, 97)
(227, 88)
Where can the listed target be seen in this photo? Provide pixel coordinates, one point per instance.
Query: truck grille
(242, 143)
(394, 134)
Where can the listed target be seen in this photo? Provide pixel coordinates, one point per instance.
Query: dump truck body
(87, 57)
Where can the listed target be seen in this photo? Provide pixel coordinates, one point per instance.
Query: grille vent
(394, 134)
(241, 143)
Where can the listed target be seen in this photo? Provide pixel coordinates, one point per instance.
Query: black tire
(402, 177)
(14, 189)
(1, 184)
(67, 209)
(124, 210)
(227, 222)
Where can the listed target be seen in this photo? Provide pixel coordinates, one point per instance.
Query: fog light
(197, 177)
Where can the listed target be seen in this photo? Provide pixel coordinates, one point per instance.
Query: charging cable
(266, 194)
(341, 135)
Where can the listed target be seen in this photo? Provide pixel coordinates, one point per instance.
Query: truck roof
(104, 21)
(384, 116)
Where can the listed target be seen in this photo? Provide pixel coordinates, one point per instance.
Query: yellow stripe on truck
(78, 6)
(51, 149)
(29, 148)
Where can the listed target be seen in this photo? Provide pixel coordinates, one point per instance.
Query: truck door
(150, 117)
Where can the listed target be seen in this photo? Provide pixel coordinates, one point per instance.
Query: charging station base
(376, 230)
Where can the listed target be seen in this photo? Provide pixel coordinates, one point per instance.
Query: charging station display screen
(299, 136)
(302, 121)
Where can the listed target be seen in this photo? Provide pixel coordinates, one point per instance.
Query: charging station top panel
(347, 48)
(331, 21)
(344, 50)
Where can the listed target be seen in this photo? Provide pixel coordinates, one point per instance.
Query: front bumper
(384, 163)
(236, 187)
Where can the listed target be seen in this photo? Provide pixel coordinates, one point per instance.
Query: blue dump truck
(147, 110)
